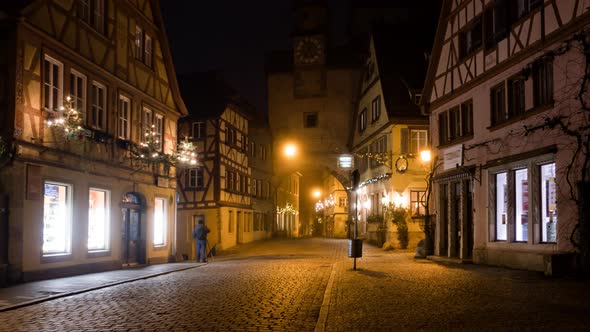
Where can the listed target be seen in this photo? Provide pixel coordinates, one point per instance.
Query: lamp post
(426, 157)
(289, 154)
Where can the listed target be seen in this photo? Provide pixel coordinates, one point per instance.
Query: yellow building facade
(87, 202)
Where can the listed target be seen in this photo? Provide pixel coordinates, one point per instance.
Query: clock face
(308, 51)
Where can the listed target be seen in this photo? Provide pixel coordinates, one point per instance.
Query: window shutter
(405, 141)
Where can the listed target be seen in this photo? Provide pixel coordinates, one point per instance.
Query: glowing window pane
(56, 218)
(160, 222)
(501, 206)
(98, 220)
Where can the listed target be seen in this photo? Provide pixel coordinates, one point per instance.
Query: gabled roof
(402, 68)
(207, 95)
(436, 50)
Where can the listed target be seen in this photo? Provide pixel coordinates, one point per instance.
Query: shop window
(98, 219)
(514, 202)
(548, 203)
(501, 201)
(160, 221)
(57, 218)
(521, 189)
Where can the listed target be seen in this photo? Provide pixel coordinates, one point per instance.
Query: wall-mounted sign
(453, 157)
(162, 182)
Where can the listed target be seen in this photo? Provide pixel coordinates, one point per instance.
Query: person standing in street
(200, 235)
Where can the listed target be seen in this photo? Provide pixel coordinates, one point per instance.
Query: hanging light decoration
(69, 121)
(186, 152)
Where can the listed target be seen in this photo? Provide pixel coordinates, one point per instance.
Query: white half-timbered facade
(501, 92)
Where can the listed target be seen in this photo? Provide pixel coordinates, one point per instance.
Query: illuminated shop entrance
(133, 229)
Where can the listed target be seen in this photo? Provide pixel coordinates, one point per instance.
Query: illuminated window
(363, 120)
(548, 203)
(501, 206)
(418, 140)
(160, 222)
(57, 218)
(146, 123)
(98, 219)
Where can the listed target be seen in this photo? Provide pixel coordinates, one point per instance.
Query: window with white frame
(57, 218)
(99, 102)
(98, 219)
(199, 130)
(195, 178)
(78, 92)
(159, 130)
(124, 125)
(160, 221)
(52, 83)
(418, 140)
(524, 192)
(146, 123)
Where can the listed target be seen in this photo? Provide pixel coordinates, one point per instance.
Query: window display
(501, 206)
(56, 218)
(522, 204)
(98, 220)
(160, 222)
(548, 201)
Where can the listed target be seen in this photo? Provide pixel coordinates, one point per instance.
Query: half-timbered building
(76, 196)
(503, 94)
(389, 134)
(217, 190)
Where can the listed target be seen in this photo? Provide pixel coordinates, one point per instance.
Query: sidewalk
(38, 291)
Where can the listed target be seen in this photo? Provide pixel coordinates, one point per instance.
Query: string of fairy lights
(68, 122)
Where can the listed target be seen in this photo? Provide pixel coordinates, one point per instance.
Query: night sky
(232, 36)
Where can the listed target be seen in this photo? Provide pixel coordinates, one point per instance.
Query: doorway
(455, 250)
(132, 230)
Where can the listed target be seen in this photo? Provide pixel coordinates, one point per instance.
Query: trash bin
(355, 248)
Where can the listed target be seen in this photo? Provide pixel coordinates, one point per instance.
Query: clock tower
(309, 47)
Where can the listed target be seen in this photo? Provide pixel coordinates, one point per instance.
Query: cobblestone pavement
(281, 285)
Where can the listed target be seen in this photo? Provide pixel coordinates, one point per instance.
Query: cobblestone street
(281, 286)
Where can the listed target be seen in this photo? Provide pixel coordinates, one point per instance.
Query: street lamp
(426, 157)
(290, 150)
